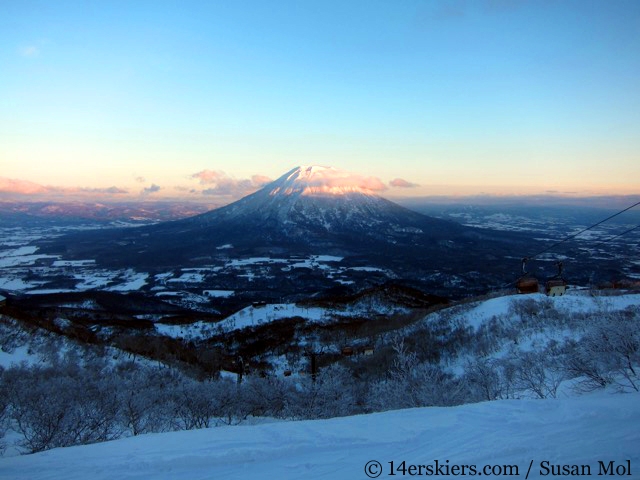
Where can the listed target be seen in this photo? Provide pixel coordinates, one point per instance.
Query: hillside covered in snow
(595, 434)
(511, 382)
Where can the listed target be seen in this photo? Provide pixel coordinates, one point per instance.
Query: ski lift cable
(616, 236)
(580, 232)
(569, 237)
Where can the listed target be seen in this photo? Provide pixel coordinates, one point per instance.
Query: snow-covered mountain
(307, 211)
(323, 201)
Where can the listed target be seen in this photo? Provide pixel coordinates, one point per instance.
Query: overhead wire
(574, 235)
(615, 236)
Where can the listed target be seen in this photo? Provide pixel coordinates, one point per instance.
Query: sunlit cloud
(228, 188)
(366, 183)
(402, 183)
(24, 187)
(222, 184)
(109, 190)
(209, 176)
(140, 179)
(328, 178)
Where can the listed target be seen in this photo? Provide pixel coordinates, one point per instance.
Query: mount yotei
(309, 212)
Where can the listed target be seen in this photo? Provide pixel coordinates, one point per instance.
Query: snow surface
(73, 263)
(218, 293)
(49, 291)
(573, 301)
(133, 281)
(253, 316)
(22, 260)
(250, 316)
(17, 356)
(93, 279)
(192, 277)
(241, 262)
(16, 284)
(571, 431)
(18, 252)
(366, 269)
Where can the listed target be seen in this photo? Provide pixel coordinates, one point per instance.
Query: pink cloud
(220, 183)
(373, 183)
(329, 177)
(25, 187)
(401, 183)
(209, 176)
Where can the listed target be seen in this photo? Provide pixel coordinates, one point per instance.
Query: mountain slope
(314, 206)
(509, 435)
(305, 209)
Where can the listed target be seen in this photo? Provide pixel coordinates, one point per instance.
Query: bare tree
(609, 353)
(145, 400)
(330, 395)
(51, 408)
(490, 379)
(538, 373)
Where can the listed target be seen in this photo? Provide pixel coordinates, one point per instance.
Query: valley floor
(596, 434)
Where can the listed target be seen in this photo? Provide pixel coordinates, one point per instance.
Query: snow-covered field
(20, 260)
(508, 436)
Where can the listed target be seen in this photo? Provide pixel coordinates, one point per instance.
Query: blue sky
(455, 96)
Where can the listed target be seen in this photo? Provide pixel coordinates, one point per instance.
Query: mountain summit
(323, 181)
(313, 204)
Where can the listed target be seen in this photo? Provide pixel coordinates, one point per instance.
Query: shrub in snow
(11, 335)
(58, 408)
(328, 395)
(145, 399)
(609, 352)
(490, 379)
(537, 373)
(266, 397)
(410, 383)
(201, 404)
